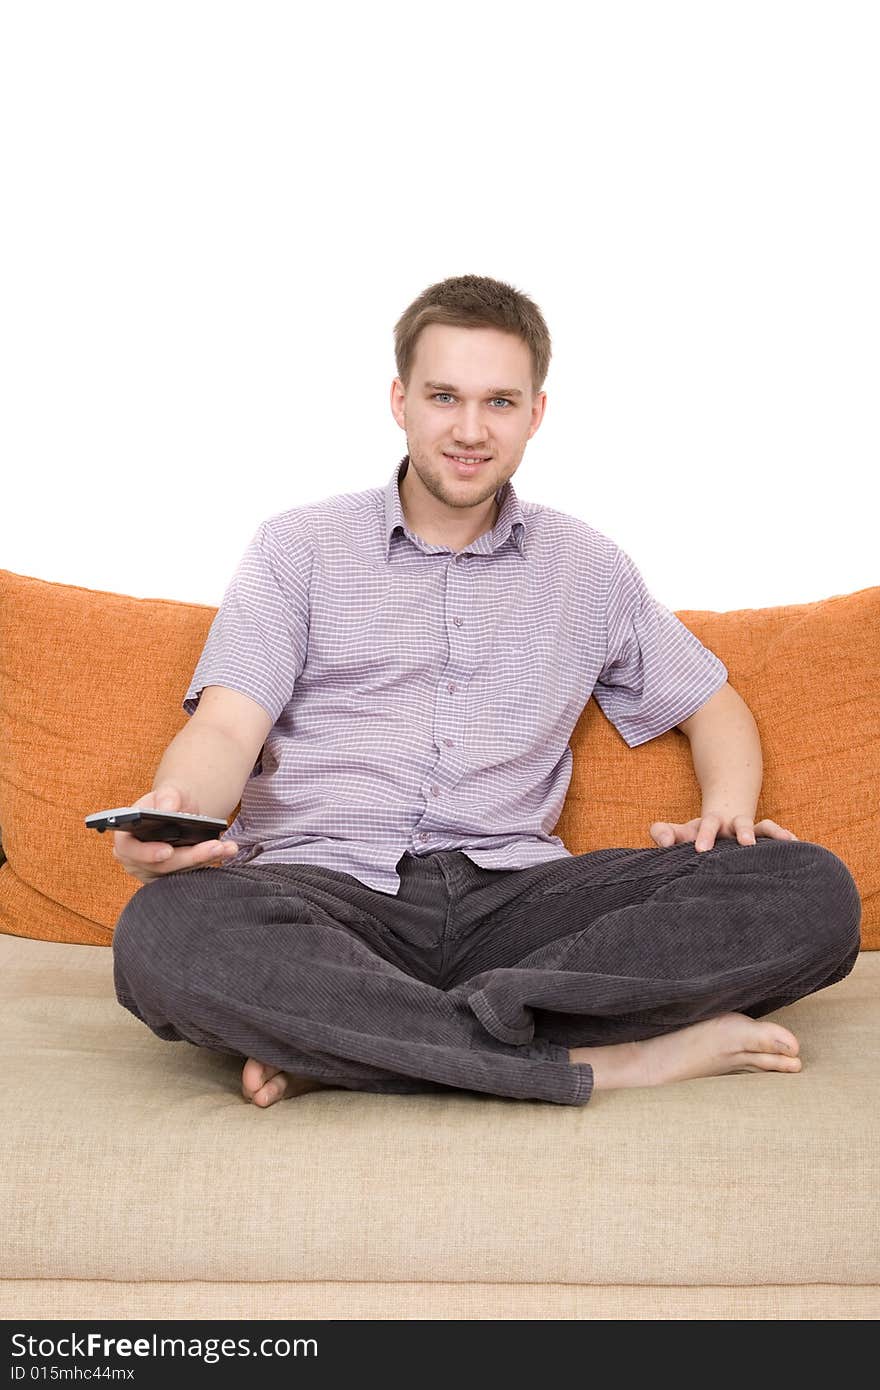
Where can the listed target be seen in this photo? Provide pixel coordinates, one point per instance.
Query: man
(389, 686)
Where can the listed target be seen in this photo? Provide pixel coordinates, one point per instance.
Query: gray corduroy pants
(481, 979)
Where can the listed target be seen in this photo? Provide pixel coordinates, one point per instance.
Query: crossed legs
(670, 983)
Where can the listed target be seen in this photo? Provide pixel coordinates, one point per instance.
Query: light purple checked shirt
(423, 699)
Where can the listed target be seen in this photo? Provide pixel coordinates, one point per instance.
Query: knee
(134, 926)
(835, 906)
(149, 960)
(144, 942)
(128, 928)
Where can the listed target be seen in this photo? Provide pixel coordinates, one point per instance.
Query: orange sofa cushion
(91, 685)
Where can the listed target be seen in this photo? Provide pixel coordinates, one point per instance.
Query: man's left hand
(703, 831)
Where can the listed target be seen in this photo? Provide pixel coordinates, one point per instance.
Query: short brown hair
(474, 301)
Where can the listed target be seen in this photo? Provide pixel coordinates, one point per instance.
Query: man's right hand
(149, 859)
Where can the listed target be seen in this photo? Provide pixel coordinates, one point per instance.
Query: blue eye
(494, 398)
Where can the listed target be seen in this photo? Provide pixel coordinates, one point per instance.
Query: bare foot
(264, 1084)
(731, 1042)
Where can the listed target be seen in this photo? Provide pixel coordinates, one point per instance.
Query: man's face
(470, 392)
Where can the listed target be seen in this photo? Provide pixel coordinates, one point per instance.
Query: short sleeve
(258, 641)
(656, 671)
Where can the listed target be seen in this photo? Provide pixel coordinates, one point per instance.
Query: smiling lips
(466, 464)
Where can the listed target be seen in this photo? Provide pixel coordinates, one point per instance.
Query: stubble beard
(431, 473)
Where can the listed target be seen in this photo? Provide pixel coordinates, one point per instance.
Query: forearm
(208, 764)
(726, 753)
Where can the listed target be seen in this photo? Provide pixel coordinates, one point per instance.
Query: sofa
(138, 1183)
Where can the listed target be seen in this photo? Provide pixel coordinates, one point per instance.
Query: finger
(663, 833)
(707, 831)
(140, 851)
(745, 830)
(774, 831)
(130, 849)
(180, 861)
(210, 852)
(149, 854)
(217, 852)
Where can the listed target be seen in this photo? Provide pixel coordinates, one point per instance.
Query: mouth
(467, 464)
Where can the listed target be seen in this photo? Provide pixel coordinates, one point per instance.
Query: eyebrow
(492, 391)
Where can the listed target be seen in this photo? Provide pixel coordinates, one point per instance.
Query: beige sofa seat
(142, 1185)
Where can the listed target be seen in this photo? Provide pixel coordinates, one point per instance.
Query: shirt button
(451, 686)
(422, 835)
(435, 790)
(448, 742)
(458, 621)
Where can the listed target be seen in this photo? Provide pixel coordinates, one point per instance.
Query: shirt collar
(510, 521)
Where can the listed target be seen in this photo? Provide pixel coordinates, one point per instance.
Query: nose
(469, 432)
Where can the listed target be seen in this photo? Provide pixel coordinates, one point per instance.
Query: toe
(788, 1063)
(251, 1078)
(769, 1061)
(774, 1038)
(273, 1089)
(254, 1076)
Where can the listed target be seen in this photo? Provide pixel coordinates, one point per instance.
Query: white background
(213, 214)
